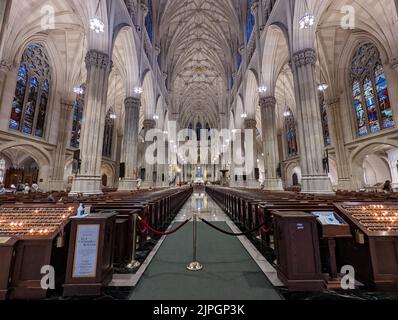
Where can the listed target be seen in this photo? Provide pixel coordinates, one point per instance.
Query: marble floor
(204, 206)
(207, 208)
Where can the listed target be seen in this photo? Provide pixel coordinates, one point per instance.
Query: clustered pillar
(251, 155)
(98, 66)
(148, 182)
(57, 182)
(131, 132)
(314, 179)
(337, 134)
(270, 146)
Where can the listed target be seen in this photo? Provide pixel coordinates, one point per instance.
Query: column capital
(266, 102)
(132, 102)
(149, 124)
(5, 65)
(250, 124)
(394, 64)
(304, 57)
(98, 59)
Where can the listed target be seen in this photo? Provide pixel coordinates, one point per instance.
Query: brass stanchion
(194, 265)
(134, 263)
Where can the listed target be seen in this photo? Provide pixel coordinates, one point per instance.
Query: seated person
(387, 188)
(35, 187)
(51, 198)
(26, 189)
(2, 189)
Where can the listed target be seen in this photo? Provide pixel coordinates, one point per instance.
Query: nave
(229, 271)
(278, 119)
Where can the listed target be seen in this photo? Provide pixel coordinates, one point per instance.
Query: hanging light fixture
(323, 86)
(308, 20)
(138, 90)
(244, 115)
(96, 24)
(262, 89)
(155, 117)
(287, 112)
(113, 115)
(79, 88)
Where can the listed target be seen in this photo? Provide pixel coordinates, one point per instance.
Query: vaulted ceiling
(199, 40)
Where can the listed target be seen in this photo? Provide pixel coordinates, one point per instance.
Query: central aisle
(229, 271)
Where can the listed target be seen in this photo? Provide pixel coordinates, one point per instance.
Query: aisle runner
(229, 271)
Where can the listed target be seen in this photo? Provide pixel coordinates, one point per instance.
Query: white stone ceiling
(200, 39)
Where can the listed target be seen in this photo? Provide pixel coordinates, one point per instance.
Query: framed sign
(86, 251)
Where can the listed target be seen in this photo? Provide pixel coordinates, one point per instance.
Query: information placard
(86, 251)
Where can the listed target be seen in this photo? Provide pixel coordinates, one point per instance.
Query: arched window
(78, 108)
(324, 119)
(370, 91)
(148, 20)
(108, 134)
(190, 128)
(198, 130)
(249, 20)
(32, 91)
(291, 136)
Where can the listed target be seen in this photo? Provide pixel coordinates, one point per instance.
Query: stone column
(270, 144)
(165, 166)
(239, 183)
(57, 182)
(251, 181)
(98, 66)
(5, 9)
(337, 134)
(131, 132)
(118, 160)
(5, 69)
(232, 182)
(314, 179)
(149, 124)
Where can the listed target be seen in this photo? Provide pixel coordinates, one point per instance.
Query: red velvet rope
(167, 233)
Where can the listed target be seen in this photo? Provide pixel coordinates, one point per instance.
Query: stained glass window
(108, 134)
(198, 131)
(29, 107)
(291, 136)
(238, 60)
(387, 117)
(148, 20)
(324, 118)
(17, 105)
(78, 108)
(249, 20)
(370, 91)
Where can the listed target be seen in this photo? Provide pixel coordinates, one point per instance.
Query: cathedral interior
(267, 125)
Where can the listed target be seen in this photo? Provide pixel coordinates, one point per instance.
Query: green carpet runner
(229, 271)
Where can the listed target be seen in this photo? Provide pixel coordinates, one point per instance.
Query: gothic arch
(251, 94)
(275, 56)
(148, 96)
